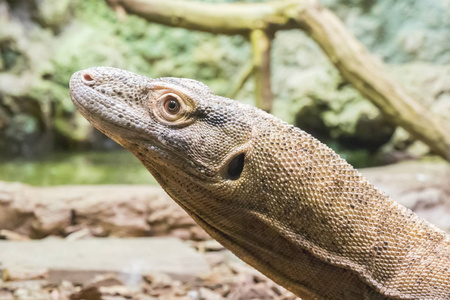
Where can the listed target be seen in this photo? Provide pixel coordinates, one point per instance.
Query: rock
(15, 273)
(214, 258)
(207, 294)
(117, 290)
(109, 297)
(98, 287)
(129, 258)
(256, 291)
(236, 280)
(6, 295)
(158, 280)
(30, 285)
(209, 245)
(22, 293)
(104, 280)
(198, 234)
(230, 279)
(424, 187)
(88, 293)
(12, 236)
(145, 297)
(182, 233)
(80, 234)
(104, 210)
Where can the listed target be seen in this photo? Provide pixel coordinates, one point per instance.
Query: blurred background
(45, 144)
(43, 43)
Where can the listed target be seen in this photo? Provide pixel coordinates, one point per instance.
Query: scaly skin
(271, 193)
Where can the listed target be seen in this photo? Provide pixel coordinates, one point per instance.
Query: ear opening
(235, 167)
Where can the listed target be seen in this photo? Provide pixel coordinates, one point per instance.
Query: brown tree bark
(261, 46)
(356, 65)
(348, 55)
(245, 74)
(224, 18)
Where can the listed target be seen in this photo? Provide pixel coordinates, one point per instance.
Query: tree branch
(261, 45)
(224, 18)
(350, 57)
(244, 75)
(356, 65)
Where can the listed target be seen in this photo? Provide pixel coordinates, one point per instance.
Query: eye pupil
(171, 105)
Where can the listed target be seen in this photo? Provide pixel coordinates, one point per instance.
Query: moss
(9, 58)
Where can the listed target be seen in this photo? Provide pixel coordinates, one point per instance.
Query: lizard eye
(172, 108)
(172, 105)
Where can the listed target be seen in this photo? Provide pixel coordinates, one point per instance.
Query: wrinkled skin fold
(289, 205)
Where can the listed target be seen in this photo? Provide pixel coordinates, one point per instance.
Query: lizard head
(252, 181)
(187, 137)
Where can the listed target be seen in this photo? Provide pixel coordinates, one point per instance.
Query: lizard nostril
(88, 77)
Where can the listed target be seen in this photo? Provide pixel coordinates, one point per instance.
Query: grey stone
(81, 260)
(424, 187)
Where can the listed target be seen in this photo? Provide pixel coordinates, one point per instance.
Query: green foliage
(97, 37)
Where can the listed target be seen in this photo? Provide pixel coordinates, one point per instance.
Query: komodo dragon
(272, 194)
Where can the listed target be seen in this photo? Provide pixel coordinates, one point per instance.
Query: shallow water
(119, 167)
